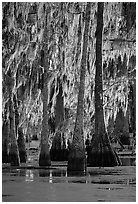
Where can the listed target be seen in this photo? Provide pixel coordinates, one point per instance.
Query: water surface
(44, 185)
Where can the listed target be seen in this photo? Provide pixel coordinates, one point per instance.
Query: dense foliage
(23, 72)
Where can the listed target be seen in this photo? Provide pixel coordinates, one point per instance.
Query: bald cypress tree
(44, 157)
(77, 159)
(101, 153)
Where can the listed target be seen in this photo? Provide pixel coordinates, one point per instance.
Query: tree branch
(120, 40)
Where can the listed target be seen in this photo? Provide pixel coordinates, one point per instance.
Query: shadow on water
(43, 173)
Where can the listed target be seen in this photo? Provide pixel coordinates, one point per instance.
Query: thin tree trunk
(99, 117)
(21, 146)
(132, 107)
(5, 136)
(19, 134)
(5, 140)
(16, 114)
(77, 158)
(56, 151)
(101, 153)
(44, 157)
(59, 109)
(14, 152)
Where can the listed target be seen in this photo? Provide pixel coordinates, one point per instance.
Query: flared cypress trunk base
(5, 157)
(14, 155)
(76, 163)
(44, 159)
(103, 158)
(23, 156)
(44, 156)
(14, 159)
(5, 142)
(76, 166)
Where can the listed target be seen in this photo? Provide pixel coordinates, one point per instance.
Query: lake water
(45, 185)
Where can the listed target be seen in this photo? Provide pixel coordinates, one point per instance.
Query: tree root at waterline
(14, 155)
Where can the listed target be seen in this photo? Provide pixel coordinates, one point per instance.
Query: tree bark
(132, 107)
(44, 157)
(21, 146)
(101, 153)
(14, 153)
(77, 158)
(5, 140)
(57, 152)
(59, 109)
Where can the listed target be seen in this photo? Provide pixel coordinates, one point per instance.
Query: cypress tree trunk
(77, 158)
(101, 153)
(59, 109)
(14, 153)
(21, 146)
(132, 106)
(5, 139)
(16, 114)
(44, 157)
(19, 133)
(56, 152)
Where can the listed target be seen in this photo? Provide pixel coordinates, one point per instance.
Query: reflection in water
(109, 184)
(43, 173)
(50, 177)
(59, 173)
(96, 176)
(131, 181)
(29, 175)
(22, 172)
(88, 178)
